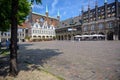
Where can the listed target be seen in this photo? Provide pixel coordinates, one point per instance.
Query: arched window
(85, 28)
(101, 26)
(71, 22)
(41, 19)
(110, 24)
(93, 27)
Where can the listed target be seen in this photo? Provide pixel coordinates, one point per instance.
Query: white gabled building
(42, 32)
(42, 27)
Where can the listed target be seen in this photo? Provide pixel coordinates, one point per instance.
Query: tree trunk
(13, 46)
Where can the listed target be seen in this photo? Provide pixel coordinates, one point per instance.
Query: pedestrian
(7, 44)
(79, 39)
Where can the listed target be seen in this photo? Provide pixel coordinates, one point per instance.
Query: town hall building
(103, 20)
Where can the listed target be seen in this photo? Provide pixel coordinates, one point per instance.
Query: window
(113, 6)
(85, 28)
(109, 15)
(5, 34)
(101, 26)
(20, 30)
(110, 24)
(42, 19)
(36, 25)
(113, 10)
(102, 9)
(8, 34)
(92, 27)
(99, 10)
(113, 14)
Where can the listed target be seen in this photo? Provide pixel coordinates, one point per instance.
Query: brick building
(103, 20)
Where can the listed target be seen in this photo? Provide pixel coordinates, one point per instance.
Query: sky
(66, 8)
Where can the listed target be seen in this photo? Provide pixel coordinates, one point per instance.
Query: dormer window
(36, 26)
(71, 22)
(41, 19)
(113, 7)
(99, 10)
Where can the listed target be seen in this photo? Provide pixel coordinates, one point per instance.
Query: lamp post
(119, 28)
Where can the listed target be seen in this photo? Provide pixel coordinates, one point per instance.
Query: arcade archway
(110, 35)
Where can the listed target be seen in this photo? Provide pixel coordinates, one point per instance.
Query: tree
(4, 15)
(37, 1)
(14, 23)
(19, 10)
(13, 12)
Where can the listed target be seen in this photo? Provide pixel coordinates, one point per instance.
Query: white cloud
(64, 13)
(54, 3)
(85, 4)
(54, 6)
(37, 6)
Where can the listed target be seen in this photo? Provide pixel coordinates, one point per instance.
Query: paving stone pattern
(84, 60)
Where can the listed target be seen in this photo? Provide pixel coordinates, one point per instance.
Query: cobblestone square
(72, 60)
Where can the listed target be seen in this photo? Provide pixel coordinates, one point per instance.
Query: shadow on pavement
(28, 59)
(4, 66)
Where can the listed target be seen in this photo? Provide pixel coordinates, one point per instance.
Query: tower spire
(88, 3)
(47, 14)
(105, 1)
(82, 9)
(46, 8)
(58, 13)
(96, 2)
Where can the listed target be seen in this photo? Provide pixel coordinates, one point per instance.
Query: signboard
(69, 29)
(72, 29)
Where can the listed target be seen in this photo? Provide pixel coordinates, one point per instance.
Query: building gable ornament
(36, 25)
(45, 25)
(52, 27)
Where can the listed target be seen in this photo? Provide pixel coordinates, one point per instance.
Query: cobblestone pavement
(84, 60)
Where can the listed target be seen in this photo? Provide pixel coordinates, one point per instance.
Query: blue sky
(67, 8)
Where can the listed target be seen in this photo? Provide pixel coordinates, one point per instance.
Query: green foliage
(37, 1)
(27, 37)
(5, 8)
(23, 10)
(5, 13)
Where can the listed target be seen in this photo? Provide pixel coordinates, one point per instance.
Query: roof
(70, 22)
(43, 15)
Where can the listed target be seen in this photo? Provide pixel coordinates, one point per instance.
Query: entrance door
(110, 35)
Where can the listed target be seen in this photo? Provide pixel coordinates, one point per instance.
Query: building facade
(36, 28)
(7, 35)
(42, 27)
(103, 20)
(69, 28)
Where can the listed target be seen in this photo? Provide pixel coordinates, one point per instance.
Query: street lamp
(119, 28)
